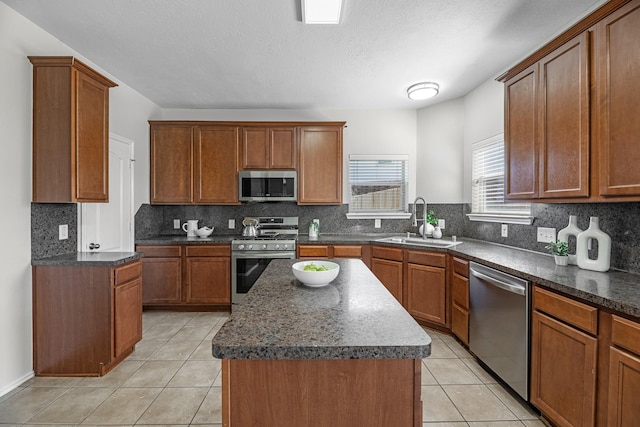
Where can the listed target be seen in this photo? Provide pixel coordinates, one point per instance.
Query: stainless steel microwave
(268, 186)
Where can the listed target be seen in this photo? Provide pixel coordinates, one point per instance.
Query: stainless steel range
(276, 238)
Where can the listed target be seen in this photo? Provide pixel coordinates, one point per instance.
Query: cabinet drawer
(460, 290)
(386, 253)
(575, 313)
(153, 251)
(427, 258)
(128, 272)
(461, 266)
(310, 251)
(347, 251)
(625, 333)
(213, 251)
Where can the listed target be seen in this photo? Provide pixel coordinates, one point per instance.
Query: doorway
(109, 227)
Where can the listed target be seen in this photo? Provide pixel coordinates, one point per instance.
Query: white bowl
(315, 278)
(204, 232)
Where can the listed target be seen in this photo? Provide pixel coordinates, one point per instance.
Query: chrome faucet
(424, 215)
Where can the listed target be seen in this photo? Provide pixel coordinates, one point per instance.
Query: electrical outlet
(63, 232)
(504, 230)
(176, 224)
(441, 223)
(232, 223)
(546, 235)
(377, 223)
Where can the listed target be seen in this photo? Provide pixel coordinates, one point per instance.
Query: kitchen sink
(418, 241)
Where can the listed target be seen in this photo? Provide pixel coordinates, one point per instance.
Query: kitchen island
(341, 355)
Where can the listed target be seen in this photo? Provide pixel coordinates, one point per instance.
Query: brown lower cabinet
(387, 265)
(426, 286)
(460, 307)
(85, 319)
(186, 276)
(322, 251)
(624, 373)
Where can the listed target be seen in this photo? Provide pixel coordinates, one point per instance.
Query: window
(487, 188)
(378, 186)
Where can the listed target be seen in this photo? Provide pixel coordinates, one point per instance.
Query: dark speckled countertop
(354, 317)
(88, 259)
(615, 290)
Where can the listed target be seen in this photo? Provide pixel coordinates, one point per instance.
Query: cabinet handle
(93, 246)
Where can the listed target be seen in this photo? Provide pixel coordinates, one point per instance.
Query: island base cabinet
(342, 392)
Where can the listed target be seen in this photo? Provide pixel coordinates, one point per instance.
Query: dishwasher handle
(514, 288)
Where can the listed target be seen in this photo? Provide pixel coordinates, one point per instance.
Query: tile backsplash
(620, 220)
(45, 219)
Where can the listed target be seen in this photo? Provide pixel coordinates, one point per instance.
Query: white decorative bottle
(570, 230)
(602, 261)
(437, 233)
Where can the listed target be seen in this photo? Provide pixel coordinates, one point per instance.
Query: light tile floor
(172, 379)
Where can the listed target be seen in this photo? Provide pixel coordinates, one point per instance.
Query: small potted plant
(560, 251)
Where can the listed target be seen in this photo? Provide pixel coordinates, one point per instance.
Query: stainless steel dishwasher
(499, 325)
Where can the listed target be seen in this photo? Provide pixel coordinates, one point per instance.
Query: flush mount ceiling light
(321, 11)
(423, 90)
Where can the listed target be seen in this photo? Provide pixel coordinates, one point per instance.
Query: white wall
(483, 118)
(129, 112)
(367, 131)
(440, 150)
(446, 132)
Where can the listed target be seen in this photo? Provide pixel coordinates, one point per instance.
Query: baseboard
(10, 387)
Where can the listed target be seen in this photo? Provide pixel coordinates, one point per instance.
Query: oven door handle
(509, 287)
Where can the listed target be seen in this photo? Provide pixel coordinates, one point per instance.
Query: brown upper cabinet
(570, 113)
(193, 164)
(616, 112)
(70, 131)
(197, 162)
(268, 148)
(547, 126)
(320, 165)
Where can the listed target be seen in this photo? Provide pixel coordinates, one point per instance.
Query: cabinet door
(283, 153)
(161, 280)
(563, 372)
(390, 274)
(208, 280)
(216, 164)
(564, 120)
(127, 311)
(171, 164)
(426, 299)
(255, 148)
(460, 307)
(617, 82)
(624, 388)
(521, 148)
(92, 139)
(320, 165)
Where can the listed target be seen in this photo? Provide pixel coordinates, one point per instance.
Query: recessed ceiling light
(321, 11)
(423, 90)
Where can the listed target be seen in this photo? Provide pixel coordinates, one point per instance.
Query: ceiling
(257, 54)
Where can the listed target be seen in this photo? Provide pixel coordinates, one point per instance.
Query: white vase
(429, 228)
(561, 259)
(437, 233)
(602, 261)
(570, 230)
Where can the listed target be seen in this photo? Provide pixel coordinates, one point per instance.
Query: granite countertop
(88, 259)
(354, 317)
(184, 240)
(615, 290)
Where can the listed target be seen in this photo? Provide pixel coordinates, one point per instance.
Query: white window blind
(378, 183)
(487, 191)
